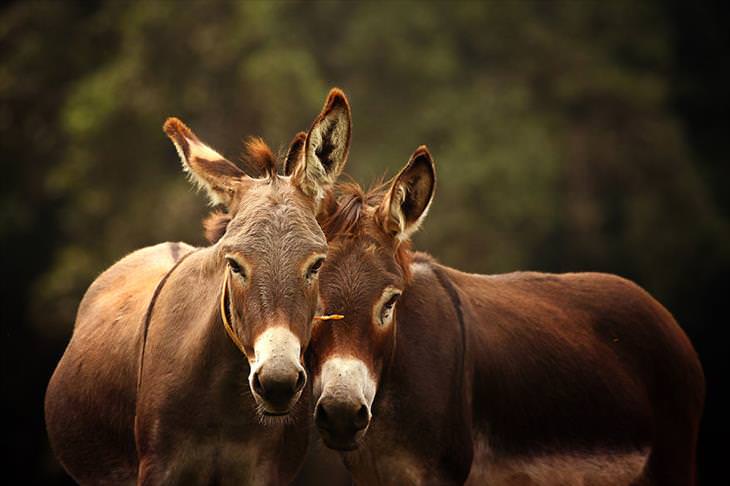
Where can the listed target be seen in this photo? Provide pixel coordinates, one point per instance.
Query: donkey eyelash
(386, 305)
(391, 302)
(314, 269)
(237, 267)
(313, 265)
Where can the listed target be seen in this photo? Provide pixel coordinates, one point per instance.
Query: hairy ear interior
(405, 206)
(326, 146)
(207, 168)
(295, 153)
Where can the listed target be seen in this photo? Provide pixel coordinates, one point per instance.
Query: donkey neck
(148, 316)
(186, 336)
(421, 417)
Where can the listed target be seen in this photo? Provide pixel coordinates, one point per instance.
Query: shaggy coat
(186, 365)
(523, 378)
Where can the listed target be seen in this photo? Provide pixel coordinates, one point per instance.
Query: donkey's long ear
(325, 147)
(409, 197)
(295, 153)
(207, 168)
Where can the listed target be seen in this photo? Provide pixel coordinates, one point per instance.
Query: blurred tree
(570, 164)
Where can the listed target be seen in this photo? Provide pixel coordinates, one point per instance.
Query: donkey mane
(215, 225)
(346, 211)
(258, 161)
(258, 158)
(345, 208)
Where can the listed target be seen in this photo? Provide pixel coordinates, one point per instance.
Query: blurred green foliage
(554, 125)
(549, 122)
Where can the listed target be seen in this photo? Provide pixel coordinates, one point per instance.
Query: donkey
(436, 376)
(186, 365)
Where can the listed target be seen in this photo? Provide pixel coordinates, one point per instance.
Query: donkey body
(92, 428)
(185, 365)
(524, 378)
(553, 379)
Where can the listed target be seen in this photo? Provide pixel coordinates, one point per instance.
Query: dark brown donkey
(154, 385)
(438, 376)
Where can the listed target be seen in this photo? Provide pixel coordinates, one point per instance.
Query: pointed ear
(207, 168)
(295, 153)
(409, 197)
(325, 147)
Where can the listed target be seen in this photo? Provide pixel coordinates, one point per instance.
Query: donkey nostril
(301, 380)
(257, 387)
(321, 417)
(362, 419)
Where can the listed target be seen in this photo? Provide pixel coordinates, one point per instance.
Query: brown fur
(533, 371)
(190, 412)
(337, 101)
(176, 129)
(260, 161)
(325, 147)
(215, 225)
(345, 217)
(258, 156)
(296, 149)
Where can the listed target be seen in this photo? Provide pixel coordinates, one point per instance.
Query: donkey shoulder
(588, 291)
(135, 271)
(605, 297)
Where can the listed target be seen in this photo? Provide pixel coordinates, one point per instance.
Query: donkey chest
(225, 462)
(395, 463)
(379, 468)
(409, 450)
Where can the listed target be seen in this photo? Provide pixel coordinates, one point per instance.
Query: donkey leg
(154, 470)
(151, 472)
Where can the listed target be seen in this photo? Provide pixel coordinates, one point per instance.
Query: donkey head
(270, 247)
(366, 271)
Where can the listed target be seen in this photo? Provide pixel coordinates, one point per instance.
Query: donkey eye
(313, 269)
(391, 302)
(234, 266)
(386, 312)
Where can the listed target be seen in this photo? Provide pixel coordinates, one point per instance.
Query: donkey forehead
(357, 270)
(276, 219)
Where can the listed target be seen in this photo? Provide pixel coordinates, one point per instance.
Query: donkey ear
(325, 147)
(295, 153)
(207, 168)
(409, 197)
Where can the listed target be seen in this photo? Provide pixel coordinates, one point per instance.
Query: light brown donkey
(185, 365)
(435, 376)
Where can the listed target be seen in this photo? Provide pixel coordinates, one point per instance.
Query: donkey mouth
(268, 413)
(349, 443)
(341, 446)
(271, 410)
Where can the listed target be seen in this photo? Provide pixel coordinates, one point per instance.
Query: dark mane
(345, 211)
(258, 159)
(215, 225)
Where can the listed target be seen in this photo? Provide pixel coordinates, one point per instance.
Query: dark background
(568, 136)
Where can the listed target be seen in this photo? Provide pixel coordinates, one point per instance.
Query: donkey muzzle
(341, 423)
(346, 391)
(277, 376)
(278, 386)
